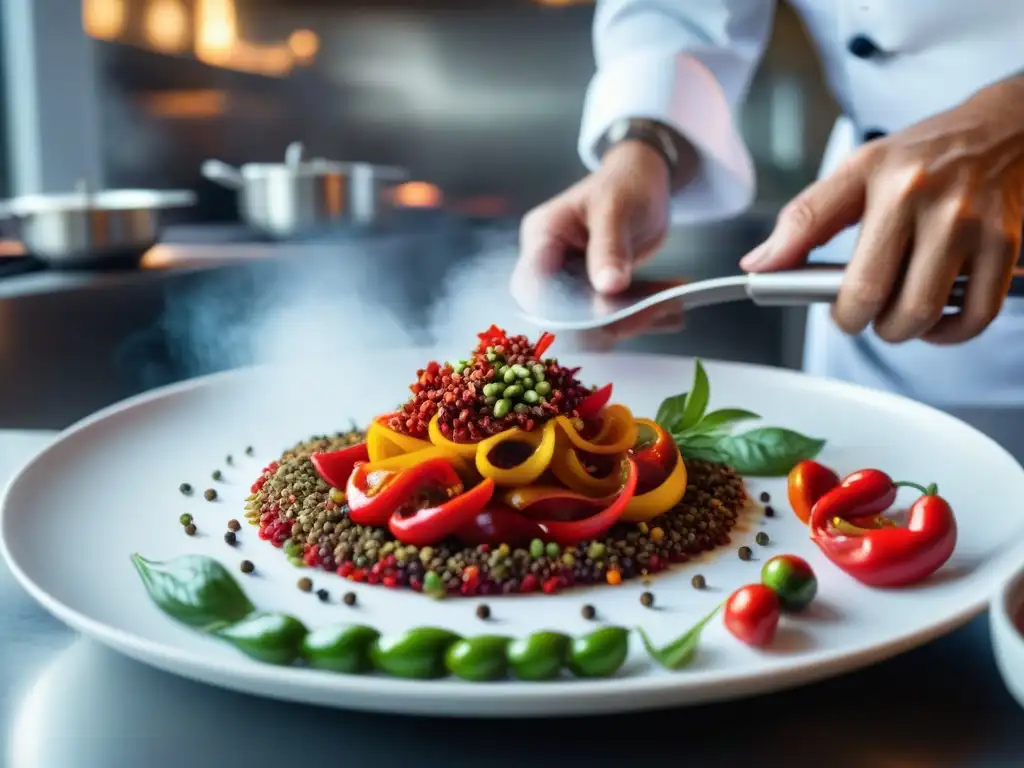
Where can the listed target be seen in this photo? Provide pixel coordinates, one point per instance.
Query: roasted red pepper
(499, 525)
(570, 533)
(809, 481)
(374, 495)
(888, 556)
(425, 526)
(594, 402)
(543, 344)
(336, 467)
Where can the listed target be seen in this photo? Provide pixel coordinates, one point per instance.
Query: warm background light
(417, 194)
(105, 19)
(167, 26)
(216, 23)
(304, 44)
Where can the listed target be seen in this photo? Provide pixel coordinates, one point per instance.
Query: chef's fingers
(990, 272)
(609, 249)
(812, 218)
(872, 275)
(550, 231)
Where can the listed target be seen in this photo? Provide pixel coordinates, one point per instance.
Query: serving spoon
(567, 301)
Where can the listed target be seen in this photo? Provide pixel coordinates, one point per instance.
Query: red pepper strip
(864, 493)
(499, 525)
(423, 527)
(335, 467)
(543, 344)
(594, 402)
(568, 534)
(892, 556)
(374, 495)
(554, 503)
(809, 481)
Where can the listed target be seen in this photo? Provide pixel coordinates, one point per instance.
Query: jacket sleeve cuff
(682, 93)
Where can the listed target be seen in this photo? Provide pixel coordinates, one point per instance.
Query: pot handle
(222, 174)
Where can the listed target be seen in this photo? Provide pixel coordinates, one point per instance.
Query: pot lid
(110, 200)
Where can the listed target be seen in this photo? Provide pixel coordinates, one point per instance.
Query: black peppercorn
(230, 538)
(350, 598)
(323, 594)
(698, 581)
(589, 612)
(765, 497)
(217, 474)
(229, 460)
(209, 494)
(234, 525)
(247, 566)
(249, 451)
(746, 553)
(762, 538)
(185, 489)
(769, 512)
(483, 611)
(190, 529)
(647, 599)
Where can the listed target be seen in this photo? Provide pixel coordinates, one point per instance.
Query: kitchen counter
(69, 703)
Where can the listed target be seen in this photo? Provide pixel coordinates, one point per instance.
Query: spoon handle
(820, 284)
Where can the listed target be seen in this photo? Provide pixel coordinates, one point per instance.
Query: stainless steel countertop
(67, 702)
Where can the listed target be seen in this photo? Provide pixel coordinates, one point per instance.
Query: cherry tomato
(792, 579)
(752, 614)
(808, 481)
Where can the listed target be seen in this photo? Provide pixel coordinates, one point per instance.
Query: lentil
(230, 538)
(349, 599)
(185, 489)
(217, 474)
(762, 538)
(698, 582)
(234, 525)
(190, 529)
(247, 566)
(295, 511)
(769, 512)
(305, 584)
(483, 611)
(210, 494)
(745, 553)
(765, 497)
(185, 519)
(588, 612)
(647, 600)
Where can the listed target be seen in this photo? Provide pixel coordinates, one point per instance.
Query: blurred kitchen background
(477, 102)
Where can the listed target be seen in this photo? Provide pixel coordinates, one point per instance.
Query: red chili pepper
(568, 534)
(594, 402)
(499, 525)
(543, 344)
(808, 481)
(374, 495)
(888, 556)
(424, 527)
(336, 467)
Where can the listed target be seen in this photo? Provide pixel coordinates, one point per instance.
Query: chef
(922, 179)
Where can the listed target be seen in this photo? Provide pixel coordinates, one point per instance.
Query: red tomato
(752, 614)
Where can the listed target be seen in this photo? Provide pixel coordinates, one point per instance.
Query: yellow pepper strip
(526, 472)
(618, 438)
(382, 442)
(661, 499)
(407, 460)
(569, 470)
(465, 451)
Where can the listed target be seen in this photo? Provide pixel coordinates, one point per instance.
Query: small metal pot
(84, 228)
(302, 196)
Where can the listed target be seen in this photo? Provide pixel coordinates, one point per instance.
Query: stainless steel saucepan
(301, 196)
(84, 227)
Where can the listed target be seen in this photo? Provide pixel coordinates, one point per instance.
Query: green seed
(538, 372)
(501, 408)
(542, 388)
(792, 580)
(552, 549)
(521, 408)
(479, 659)
(527, 383)
(520, 371)
(531, 397)
(337, 496)
(513, 392)
(217, 474)
(433, 585)
(508, 376)
(344, 648)
(762, 539)
(503, 370)
(536, 549)
(599, 654)
(493, 389)
(540, 656)
(185, 519)
(273, 638)
(596, 550)
(698, 582)
(491, 357)
(490, 400)
(417, 655)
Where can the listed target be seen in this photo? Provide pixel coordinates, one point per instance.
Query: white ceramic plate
(108, 488)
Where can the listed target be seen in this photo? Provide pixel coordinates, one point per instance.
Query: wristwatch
(664, 140)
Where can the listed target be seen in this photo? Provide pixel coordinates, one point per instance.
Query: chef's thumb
(609, 250)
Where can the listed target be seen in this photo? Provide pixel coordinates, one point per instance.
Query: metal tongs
(566, 301)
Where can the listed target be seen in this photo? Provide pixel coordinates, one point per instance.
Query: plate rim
(415, 694)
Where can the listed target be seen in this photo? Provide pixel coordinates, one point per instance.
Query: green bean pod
(273, 638)
(599, 654)
(340, 648)
(539, 656)
(479, 659)
(418, 654)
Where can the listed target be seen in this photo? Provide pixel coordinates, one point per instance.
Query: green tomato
(792, 579)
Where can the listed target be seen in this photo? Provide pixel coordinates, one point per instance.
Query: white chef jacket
(890, 63)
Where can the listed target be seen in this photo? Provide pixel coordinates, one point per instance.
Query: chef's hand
(942, 198)
(617, 217)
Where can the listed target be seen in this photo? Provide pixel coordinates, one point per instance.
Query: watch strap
(661, 138)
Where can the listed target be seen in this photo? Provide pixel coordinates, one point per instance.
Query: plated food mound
(501, 474)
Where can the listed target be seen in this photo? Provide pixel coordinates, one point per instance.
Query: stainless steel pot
(91, 227)
(301, 196)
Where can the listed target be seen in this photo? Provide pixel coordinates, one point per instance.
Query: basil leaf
(697, 402)
(680, 652)
(197, 591)
(670, 413)
(722, 419)
(768, 451)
